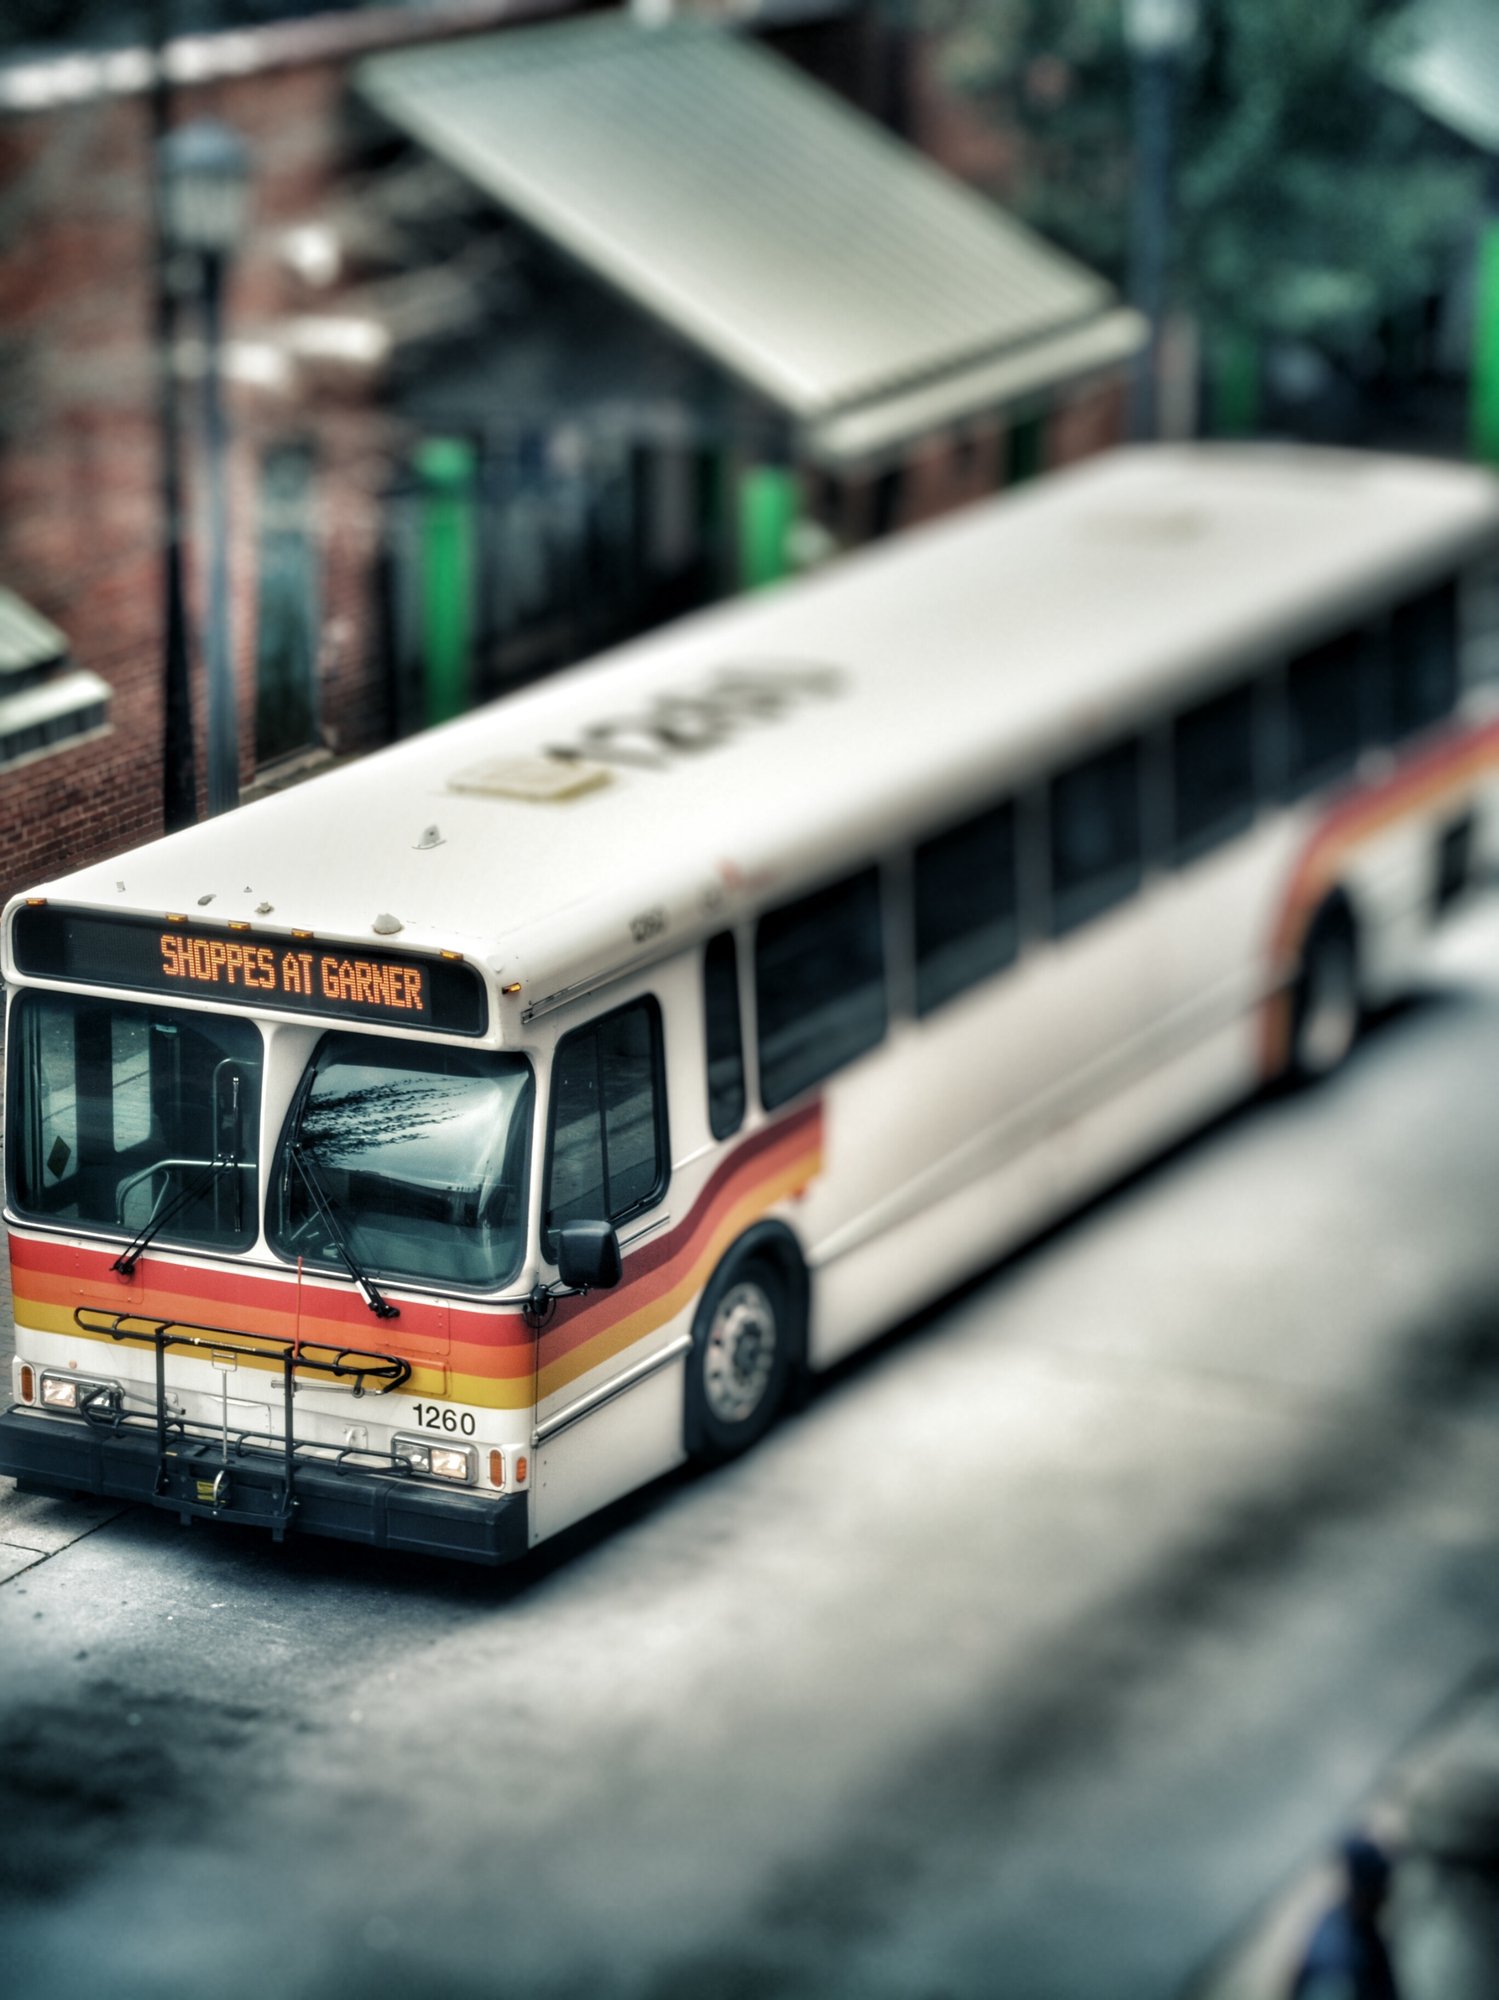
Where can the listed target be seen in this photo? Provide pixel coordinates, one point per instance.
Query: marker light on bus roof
(548, 779)
(238, 924)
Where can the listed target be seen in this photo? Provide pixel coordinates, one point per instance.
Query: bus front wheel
(1327, 1009)
(741, 1357)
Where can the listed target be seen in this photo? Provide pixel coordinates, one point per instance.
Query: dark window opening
(124, 1114)
(724, 1036)
(1212, 772)
(1096, 845)
(1025, 451)
(608, 1154)
(1324, 710)
(886, 495)
(966, 906)
(819, 985)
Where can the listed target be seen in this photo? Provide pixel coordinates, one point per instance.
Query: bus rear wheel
(1327, 1010)
(740, 1360)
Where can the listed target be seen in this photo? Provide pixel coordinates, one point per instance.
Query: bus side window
(966, 906)
(724, 1035)
(1324, 711)
(1423, 649)
(1096, 838)
(819, 985)
(1478, 623)
(608, 1152)
(1212, 773)
(46, 1169)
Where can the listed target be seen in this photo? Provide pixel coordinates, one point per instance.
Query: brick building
(468, 441)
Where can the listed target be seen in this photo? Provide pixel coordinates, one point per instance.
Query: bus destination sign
(241, 970)
(358, 982)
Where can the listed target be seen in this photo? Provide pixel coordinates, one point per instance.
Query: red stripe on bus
(481, 1340)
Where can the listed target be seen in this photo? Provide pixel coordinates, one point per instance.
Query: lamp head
(204, 170)
(1159, 27)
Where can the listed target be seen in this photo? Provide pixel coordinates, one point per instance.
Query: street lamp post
(1156, 32)
(179, 780)
(205, 183)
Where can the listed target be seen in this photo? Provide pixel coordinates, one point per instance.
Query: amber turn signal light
(519, 1468)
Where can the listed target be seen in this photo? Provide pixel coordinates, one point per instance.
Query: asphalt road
(1052, 1638)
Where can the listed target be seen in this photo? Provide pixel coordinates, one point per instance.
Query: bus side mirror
(588, 1256)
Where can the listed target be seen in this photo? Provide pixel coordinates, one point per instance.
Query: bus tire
(1326, 1008)
(745, 1344)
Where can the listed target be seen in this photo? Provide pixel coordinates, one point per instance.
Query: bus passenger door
(608, 1396)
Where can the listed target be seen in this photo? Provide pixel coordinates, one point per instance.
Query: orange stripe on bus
(493, 1358)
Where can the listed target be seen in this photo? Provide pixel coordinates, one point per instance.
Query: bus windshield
(415, 1156)
(135, 1119)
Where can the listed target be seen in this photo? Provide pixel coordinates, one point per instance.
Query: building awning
(27, 639)
(45, 704)
(1444, 56)
(823, 263)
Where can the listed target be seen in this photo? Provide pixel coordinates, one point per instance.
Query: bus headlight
(438, 1461)
(71, 1392)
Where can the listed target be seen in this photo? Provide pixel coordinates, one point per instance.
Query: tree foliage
(1312, 200)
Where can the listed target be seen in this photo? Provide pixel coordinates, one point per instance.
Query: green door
(446, 473)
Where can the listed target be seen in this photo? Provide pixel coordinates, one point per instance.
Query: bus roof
(764, 744)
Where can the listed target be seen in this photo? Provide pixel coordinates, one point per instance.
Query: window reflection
(422, 1153)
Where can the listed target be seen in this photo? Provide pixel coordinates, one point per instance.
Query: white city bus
(429, 1155)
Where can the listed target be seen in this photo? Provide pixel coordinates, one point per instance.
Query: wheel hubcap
(739, 1354)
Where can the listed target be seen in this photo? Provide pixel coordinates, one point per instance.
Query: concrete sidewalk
(33, 1526)
(1436, 1813)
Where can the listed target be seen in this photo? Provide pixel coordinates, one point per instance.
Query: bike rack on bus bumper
(199, 1469)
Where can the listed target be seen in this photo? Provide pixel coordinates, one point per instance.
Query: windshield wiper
(131, 1255)
(322, 1201)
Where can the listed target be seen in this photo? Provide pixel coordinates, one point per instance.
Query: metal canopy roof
(804, 249)
(27, 639)
(1444, 55)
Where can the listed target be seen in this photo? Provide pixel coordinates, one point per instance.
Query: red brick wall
(1090, 420)
(80, 517)
(79, 521)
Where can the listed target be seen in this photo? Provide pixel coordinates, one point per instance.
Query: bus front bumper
(65, 1456)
